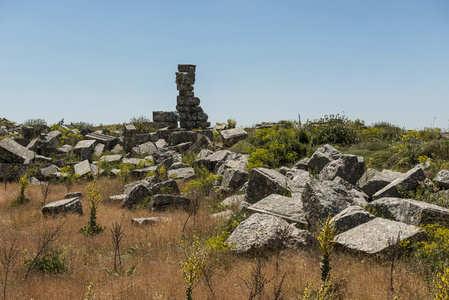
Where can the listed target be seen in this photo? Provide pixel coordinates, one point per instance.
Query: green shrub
(333, 129)
(52, 262)
(93, 198)
(203, 184)
(142, 124)
(34, 122)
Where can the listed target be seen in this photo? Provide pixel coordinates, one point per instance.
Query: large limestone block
(349, 167)
(351, 217)
(289, 209)
(409, 181)
(379, 181)
(234, 178)
(136, 196)
(162, 202)
(442, 179)
(181, 173)
(232, 136)
(263, 182)
(410, 211)
(82, 168)
(13, 152)
(328, 198)
(322, 156)
(376, 236)
(262, 232)
(72, 205)
(147, 148)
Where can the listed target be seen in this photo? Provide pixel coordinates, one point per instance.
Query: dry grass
(155, 253)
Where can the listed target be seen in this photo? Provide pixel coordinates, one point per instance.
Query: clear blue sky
(108, 61)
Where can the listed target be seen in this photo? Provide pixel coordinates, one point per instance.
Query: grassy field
(156, 254)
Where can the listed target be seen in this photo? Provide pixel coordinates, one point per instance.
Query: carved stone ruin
(189, 112)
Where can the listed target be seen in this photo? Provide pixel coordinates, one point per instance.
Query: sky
(106, 62)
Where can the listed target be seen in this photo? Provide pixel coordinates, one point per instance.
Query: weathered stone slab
(223, 215)
(376, 236)
(165, 116)
(409, 181)
(147, 148)
(379, 181)
(98, 149)
(13, 152)
(349, 167)
(263, 182)
(234, 178)
(85, 148)
(82, 168)
(117, 198)
(149, 220)
(48, 171)
(289, 209)
(181, 173)
(129, 137)
(322, 156)
(442, 179)
(163, 201)
(203, 142)
(234, 200)
(167, 187)
(111, 158)
(72, 205)
(136, 196)
(261, 232)
(410, 211)
(328, 198)
(351, 217)
(107, 140)
(232, 136)
(65, 149)
(73, 195)
(130, 186)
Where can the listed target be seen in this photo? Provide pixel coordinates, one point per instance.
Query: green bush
(52, 262)
(334, 129)
(142, 124)
(34, 122)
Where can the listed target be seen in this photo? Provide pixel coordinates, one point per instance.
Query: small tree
(23, 185)
(46, 189)
(94, 197)
(193, 258)
(117, 234)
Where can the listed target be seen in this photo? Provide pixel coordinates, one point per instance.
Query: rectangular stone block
(166, 124)
(187, 68)
(189, 108)
(184, 87)
(165, 116)
(186, 93)
(188, 101)
(185, 78)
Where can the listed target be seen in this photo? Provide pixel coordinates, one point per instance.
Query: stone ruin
(189, 112)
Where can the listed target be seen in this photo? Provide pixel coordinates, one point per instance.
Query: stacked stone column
(190, 112)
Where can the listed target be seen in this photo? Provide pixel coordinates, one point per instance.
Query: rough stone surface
(328, 198)
(349, 167)
(85, 148)
(82, 168)
(351, 217)
(409, 181)
(378, 181)
(12, 152)
(234, 200)
(223, 216)
(129, 137)
(181, 173)
(232, 136)
(72, 205)
(73, 195)
(111, 158)
(289, 209)
(136, 196)
(108, 141)
(162, 202)
(442, 179)
(376, 236)
(322, 156)
(48, 171)
(410, 211)
(258, 232)
(234, 178)
(263, 182)
(130, 186)
(169, 186)
(147, 148)
(149, 220)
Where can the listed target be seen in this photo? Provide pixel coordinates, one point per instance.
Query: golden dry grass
(155, 252)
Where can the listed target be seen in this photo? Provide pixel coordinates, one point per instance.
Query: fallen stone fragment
(149, 220)
(232, 136)
(12, 152)
(442, 179)
(349, 167)
(410, 211)
(289, 209)
(408, 182)
(376, 236)
(72, 205)
(322, 156)
(137, 195)
(351, 217)
(263, 182)
(162, 202)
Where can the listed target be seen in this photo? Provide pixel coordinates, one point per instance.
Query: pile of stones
(188, 106)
